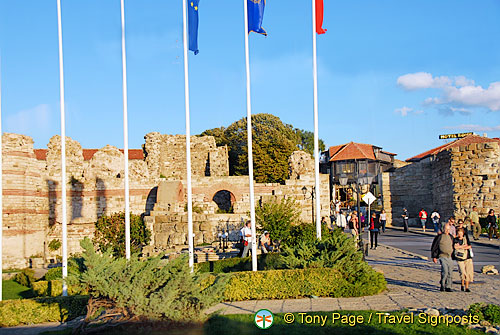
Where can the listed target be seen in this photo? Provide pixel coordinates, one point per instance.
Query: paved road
(485, 252)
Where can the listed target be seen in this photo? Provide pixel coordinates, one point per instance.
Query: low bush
(146, 288)
(285, 284)
(53, 288)
(26, 277)
(30, 311)
(488, 312)
(270, 261)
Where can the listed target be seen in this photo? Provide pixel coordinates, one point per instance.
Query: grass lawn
(13, 290)
(243, 324)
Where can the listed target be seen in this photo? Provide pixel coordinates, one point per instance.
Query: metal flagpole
(125, 135)
(1, 179)
(316, 140)
(188, 137)
(249, 140)
(63, 156)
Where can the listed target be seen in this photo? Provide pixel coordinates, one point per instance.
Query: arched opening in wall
(225, 201)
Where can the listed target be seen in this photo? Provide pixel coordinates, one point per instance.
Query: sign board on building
(459, 135)
(369, 198)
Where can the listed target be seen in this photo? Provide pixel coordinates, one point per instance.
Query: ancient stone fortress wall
(451, 182)
(95, 186)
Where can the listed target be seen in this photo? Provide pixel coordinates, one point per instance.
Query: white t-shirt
(383, 217)
(341, 220)
(246, 231)
(435, 217)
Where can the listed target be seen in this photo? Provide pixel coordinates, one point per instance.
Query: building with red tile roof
(470, 139)
(353, 161)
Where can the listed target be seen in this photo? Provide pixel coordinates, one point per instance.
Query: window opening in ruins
(225, 201)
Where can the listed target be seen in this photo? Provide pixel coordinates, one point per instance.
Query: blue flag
(193, 25)
(256, 15)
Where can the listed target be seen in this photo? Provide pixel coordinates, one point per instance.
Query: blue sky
(391, 73)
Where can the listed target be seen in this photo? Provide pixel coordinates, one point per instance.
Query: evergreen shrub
(146, 288)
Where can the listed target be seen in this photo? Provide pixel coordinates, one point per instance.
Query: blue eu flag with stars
(256, 16)
(193, 25)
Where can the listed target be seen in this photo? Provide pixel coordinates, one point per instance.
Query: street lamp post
(310, 195)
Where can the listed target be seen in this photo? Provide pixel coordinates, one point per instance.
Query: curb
(425, 258)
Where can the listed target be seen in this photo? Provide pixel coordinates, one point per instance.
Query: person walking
(463, 256)
(246, 232)
(423, 218)
(354, 227)
(374, 230)
(406, 217)
(341, 220)
(476, 226)
(435, 217)
(442, 250)
(451, 226)
(491, 220)
(383, 220)
(461, 225)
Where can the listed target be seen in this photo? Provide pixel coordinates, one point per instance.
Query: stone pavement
(412, 282)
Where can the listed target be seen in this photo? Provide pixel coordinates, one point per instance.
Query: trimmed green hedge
(32, 311)
(270, 261)
(297, 283)
(53, 288)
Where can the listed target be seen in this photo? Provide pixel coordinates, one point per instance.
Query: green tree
(278, 218)
(110, 233)
(306, 141)
(273, 143)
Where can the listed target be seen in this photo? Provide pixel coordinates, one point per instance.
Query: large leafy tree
(273, 143)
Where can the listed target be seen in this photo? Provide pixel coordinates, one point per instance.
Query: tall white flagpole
(188, 137)
(125, 135)
(63, 155)
(249, 140)
(1, 179)
(316, 139)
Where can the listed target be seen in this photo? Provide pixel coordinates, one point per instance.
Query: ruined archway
(225, 201)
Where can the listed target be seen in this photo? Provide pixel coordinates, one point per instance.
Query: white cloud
(421, 80)
(28, 121)
(403, 111)
(474, 127)
(418, 112)
(463, 81)
(455, 93)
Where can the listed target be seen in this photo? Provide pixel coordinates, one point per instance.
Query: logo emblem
(264, 319)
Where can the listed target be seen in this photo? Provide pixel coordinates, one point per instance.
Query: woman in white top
(383, 220)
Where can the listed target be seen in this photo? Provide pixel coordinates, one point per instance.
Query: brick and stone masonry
(95, 187)
(452, 182)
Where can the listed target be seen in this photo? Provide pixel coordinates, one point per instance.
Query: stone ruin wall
(95, 186)
(475, 171)
(452, 183)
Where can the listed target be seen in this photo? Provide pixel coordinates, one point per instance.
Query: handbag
(461, 254)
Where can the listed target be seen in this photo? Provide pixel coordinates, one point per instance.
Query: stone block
(205, 226)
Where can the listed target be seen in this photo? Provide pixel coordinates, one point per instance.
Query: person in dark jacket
(374, 230)
(442, 249)
(491, 220)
